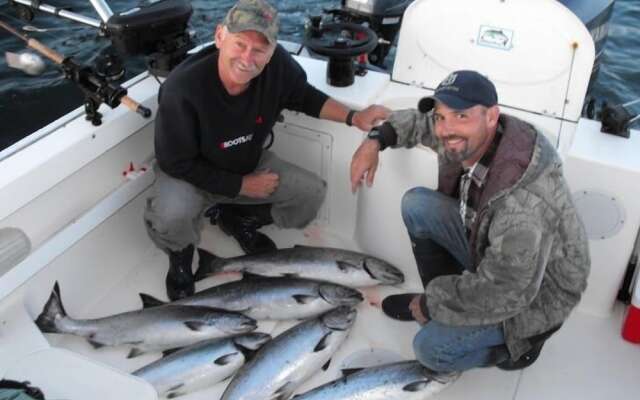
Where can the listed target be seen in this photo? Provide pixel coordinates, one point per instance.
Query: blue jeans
(429, 214)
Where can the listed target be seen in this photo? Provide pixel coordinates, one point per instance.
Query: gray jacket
(530, 250)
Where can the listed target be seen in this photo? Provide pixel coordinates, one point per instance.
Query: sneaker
(396, 306)
(180, 282)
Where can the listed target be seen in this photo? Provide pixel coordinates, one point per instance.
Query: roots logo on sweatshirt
(236, 141)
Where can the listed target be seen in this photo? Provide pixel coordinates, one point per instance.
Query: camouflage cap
(253, 15)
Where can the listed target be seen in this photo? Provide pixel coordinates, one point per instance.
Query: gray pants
(175, 210)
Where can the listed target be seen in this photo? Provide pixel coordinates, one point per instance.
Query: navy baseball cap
(461, 90)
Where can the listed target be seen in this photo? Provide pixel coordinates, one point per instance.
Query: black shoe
(237, 221)
(396, 306)
(524, 361)
(530, 356)
(180, 281)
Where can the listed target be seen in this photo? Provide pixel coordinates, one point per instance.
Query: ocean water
(29, 103)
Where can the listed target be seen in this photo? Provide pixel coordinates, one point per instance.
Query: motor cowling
(158, 30)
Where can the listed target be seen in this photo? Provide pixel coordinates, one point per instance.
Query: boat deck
(586, 359)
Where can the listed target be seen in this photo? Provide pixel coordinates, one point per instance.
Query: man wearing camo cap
(217, 109)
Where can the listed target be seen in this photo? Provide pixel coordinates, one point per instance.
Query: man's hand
(416, 310)
(259, 185)
(370, 117)
(364, 162)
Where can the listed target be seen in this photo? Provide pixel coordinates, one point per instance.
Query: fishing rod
(97, 89)
(26, 8)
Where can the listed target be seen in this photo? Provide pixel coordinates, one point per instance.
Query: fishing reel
(616, 119)
(96, 89)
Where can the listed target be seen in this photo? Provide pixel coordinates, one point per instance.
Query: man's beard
(457, 156)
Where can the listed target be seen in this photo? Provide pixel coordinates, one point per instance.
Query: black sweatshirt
(211, 139)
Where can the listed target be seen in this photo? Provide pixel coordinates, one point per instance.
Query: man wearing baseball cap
(216, 112)
(500, 249)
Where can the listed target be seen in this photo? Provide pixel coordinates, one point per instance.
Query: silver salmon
(271, 298)
(202, 365)
(344, 267)
(406, 380)
(153, 329)
(291, 358)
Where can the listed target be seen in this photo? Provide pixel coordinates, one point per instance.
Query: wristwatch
(349, 120)
(375, 134)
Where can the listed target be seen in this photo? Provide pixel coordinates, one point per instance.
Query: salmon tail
(52, 311)
(208, 264)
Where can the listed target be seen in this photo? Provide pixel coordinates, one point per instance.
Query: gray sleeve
(411, 128)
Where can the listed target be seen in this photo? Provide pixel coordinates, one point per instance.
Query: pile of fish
(208, 337)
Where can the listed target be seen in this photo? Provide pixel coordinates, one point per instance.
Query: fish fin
(350, 371)
(248, 276)
(168, 352)
(226, 359)
(284, 392)
(95, 344)
(345, 266)
(322, 344)
(195, 325)
(416, 386)
(172, 393)
(249, 347)
(52, 310)
(326, 365)
(208, 264)
(135, 352)
(149, 301)
(303, 299)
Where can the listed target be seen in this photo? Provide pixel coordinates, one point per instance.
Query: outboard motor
(158, 31)
(595, 15)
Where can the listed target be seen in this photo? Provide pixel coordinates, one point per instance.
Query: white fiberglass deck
(104, 272)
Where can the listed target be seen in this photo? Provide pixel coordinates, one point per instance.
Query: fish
(201, 365)
(343, 267)
(26, 62)
(147, 330)
(287, 361)
(406, 380)
(271, 298)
